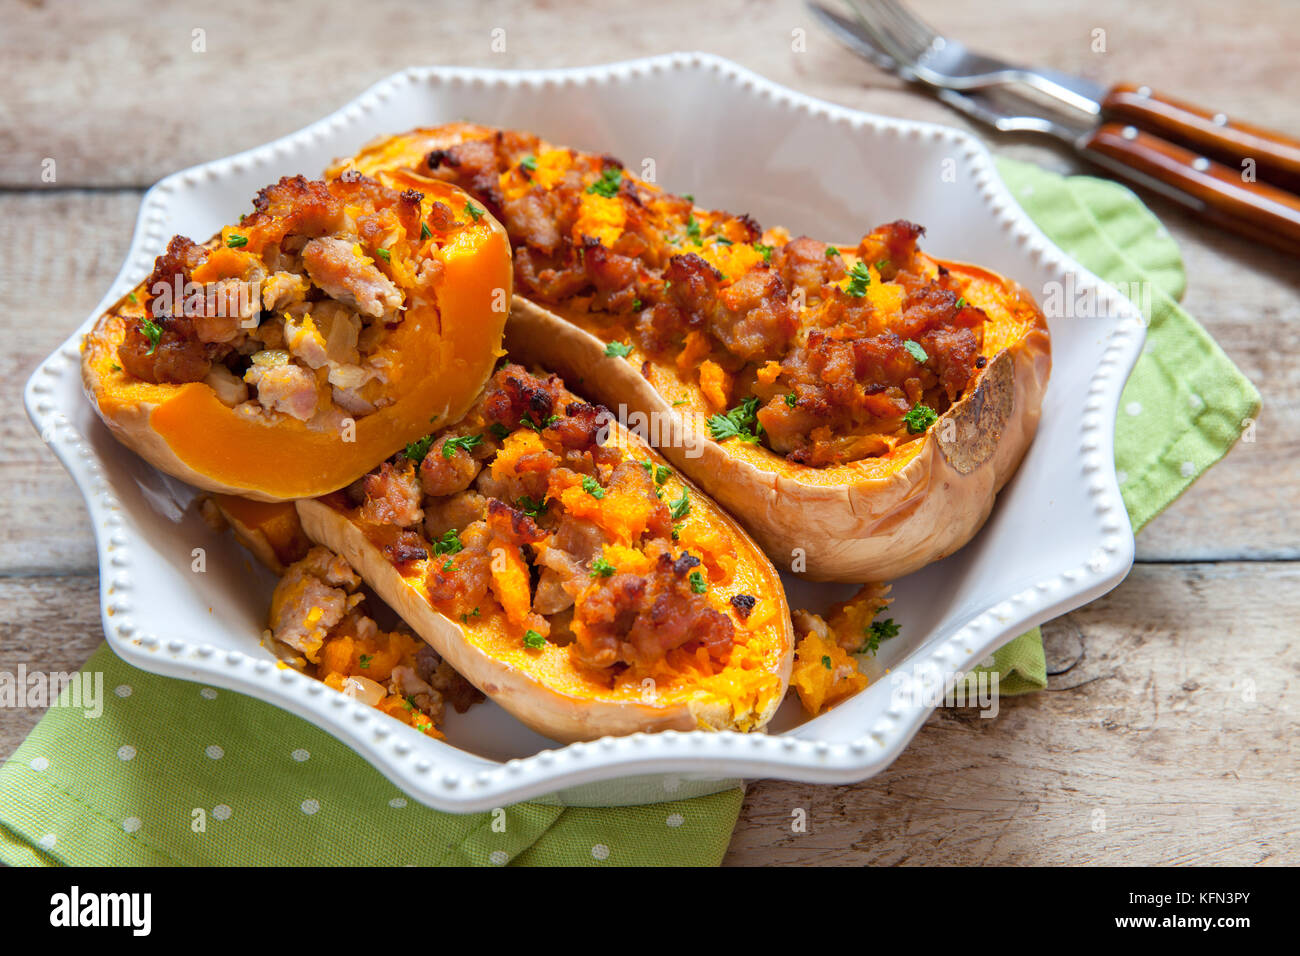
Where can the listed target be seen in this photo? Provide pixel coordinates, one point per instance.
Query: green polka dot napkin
(176, 773)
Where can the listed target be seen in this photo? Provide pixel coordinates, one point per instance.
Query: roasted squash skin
(686, 633)
(916, 497)
(453, 272)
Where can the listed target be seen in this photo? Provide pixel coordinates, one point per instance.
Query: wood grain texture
(1148, 726)
(1165, 733)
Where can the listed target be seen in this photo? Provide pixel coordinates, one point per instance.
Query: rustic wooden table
(1173, 709)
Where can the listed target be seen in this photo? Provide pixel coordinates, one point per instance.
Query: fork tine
(870, 18)
(919, 33)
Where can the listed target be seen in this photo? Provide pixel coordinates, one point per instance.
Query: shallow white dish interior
(1059, 536)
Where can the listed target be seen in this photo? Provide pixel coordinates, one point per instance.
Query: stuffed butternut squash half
(562, 567)
(314, 338)
(857, 406)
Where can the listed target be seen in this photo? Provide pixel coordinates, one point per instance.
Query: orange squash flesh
(441, 355)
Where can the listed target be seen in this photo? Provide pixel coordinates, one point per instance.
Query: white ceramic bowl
(1058, 538)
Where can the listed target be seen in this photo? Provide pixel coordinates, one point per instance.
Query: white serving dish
(1058, 538)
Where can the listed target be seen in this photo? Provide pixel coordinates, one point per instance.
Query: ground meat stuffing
(833, 346)
(525, 511)
(319, 611)
(286, 313)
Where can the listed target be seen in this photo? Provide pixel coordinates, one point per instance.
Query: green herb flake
(859, 279)
(693, 229)
(764, 251)
(449, 543)
(740, 422)
(961, 303)
(473, 211)
(698, 585)
(831, 252)
(601, 568)
(384, 254)
(425, 231)
(533, 640)
(153, 332)
(464, 441)
(826, 662)
(679, 509)
(366, 659)
(618, 350)
(791, 400)
(876, 632)
(915, 350)
(592, 487)
(529, 163)
(662, 474)
(234, 241)
(531, 507)
(920, 418)
(417, 449)
(608, 183)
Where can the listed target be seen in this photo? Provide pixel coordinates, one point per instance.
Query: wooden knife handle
(1215, 191)
(1213, 135)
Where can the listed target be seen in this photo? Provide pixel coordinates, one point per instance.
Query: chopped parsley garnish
(693, 228)
(915, 350)
(618, 350)
(234, 241)
(534, 640)
(592, 487)
(449, 543)
(384, 254)
(132, 297)
(791, 400)
(826, 662)
(723, 241)
(882, 265)
(920, 418)
(529, 163)
(153, 332)
(607, 184)
(417, 449)
(741, 422)
(831, 252)
(425, 231)
(547, 422)
(474, 212)
(636, 305)
(859, 279)
(464, 441)
(764, 251)
(876, 632)
(498, 431)
(531, 506)
(448, 566)
(662, 474)
(679, 509)
(697, 583)
(961, 303)
(115, 367)
(366, 659)
(601, 568)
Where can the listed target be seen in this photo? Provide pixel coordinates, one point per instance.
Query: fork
(1155, 141)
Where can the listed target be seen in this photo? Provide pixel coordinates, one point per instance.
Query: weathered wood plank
(50, 624)
(79, 75)
(1175, 729)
